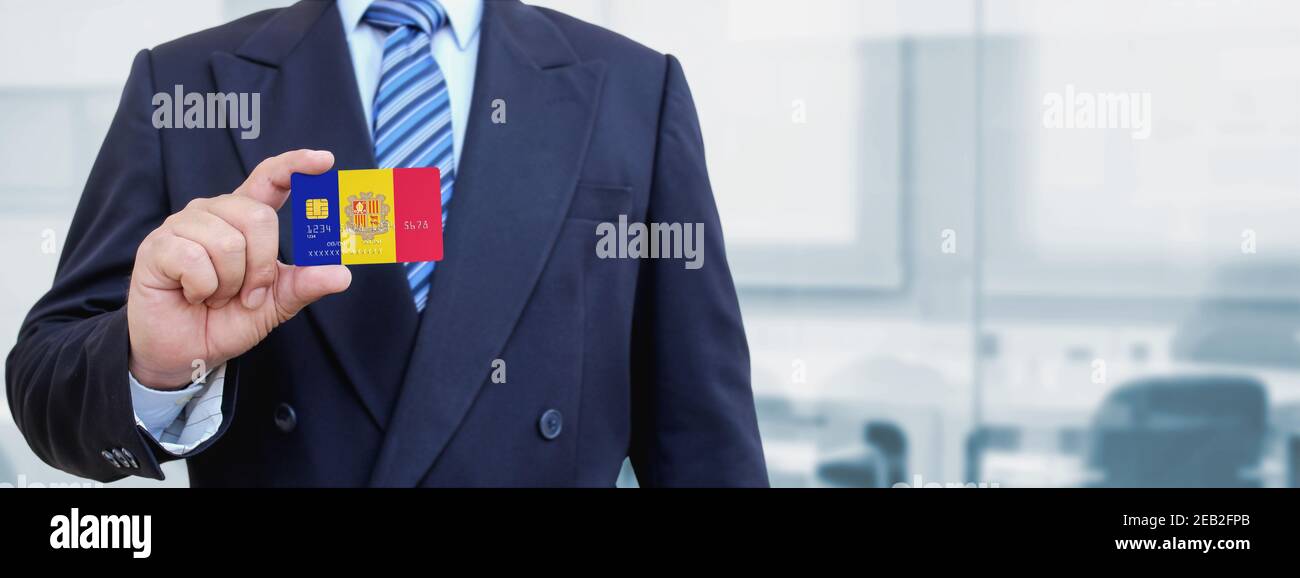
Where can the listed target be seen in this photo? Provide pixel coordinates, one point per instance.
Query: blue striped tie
(412, 109)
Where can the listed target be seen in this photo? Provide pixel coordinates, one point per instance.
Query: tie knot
(427, 15)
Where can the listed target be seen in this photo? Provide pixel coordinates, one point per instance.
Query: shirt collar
(465, 16)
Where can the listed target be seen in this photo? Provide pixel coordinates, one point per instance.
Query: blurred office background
(937, 287)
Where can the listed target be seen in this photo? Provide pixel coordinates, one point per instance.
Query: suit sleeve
(693, 409)
(67, 378)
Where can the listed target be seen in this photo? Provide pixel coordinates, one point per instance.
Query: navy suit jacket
(640, 358)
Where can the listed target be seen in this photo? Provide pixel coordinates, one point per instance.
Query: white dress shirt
(181, 420)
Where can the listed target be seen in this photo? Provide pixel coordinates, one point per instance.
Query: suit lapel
(514, 186)
(300, 64)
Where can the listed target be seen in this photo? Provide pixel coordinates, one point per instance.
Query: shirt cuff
(180, 420)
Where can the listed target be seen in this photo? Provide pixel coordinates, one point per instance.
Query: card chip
(318, 209)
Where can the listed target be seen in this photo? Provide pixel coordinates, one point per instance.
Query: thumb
(298, 287)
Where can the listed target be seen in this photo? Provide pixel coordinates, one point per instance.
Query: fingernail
(255, 298)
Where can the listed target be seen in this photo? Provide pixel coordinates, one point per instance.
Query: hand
(207, 284)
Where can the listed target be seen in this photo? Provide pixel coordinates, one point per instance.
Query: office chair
(881, 464)
(1180, 431)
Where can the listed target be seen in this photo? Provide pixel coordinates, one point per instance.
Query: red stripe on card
(418, 199)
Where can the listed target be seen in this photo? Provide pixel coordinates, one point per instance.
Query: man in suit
(175, 329)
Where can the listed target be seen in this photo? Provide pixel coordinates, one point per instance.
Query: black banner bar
(939, 525)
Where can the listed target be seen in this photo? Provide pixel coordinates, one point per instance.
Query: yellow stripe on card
(366, 216)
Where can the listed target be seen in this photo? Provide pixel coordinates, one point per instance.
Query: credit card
(367, 216)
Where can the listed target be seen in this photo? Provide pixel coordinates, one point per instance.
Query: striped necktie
(411, 108)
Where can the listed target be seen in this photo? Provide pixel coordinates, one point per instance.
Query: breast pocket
(602, 203)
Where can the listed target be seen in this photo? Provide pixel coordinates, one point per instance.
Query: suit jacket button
(130, 459)
(285, 418)
(120, 459)
(551, 424)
